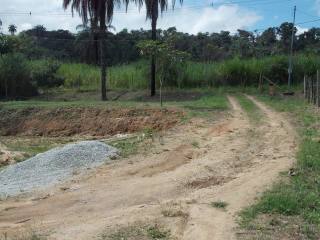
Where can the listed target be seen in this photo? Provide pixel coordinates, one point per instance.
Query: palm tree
(12, 29)
(152, 8)
(100, 12)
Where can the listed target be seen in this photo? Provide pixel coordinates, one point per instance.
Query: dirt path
(8, 157)
(232, 160)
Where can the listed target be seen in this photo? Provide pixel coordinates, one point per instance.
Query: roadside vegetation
(292, 206)
(250, 108)
(152, 232)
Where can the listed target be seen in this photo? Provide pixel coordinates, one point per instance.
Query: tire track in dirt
(229, 165)
(278, 155)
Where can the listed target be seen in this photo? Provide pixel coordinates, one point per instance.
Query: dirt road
(173, 186)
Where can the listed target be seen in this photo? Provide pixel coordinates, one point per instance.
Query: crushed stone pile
(54, 166)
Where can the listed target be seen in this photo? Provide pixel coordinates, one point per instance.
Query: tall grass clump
(78, 75)
(197, 74)
(87, 77)
(232, 72)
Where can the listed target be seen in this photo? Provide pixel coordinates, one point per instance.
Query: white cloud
(188, 19)
(301, 30)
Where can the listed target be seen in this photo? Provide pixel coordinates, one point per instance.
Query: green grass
(138, 233)
(219, 204)
(195, 144)
(250, 108)
(128, 147)
(206, 106)
(56, 104)
(300, 195)
(31, 146)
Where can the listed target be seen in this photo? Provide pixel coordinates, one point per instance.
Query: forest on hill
(121, 47)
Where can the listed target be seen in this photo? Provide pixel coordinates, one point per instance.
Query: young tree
(169, 60)
(101, 13)
(153, 8)
(12, 29)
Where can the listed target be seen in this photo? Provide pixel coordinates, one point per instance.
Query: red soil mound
(84, 121)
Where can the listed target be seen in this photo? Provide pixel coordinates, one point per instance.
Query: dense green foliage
(121, 47)
(44, 74)
(20, 78)
(15, 77)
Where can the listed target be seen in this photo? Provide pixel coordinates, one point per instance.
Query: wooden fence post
(318, 89)
(309, 90)
(312, 91)
(304, 87)
(260, 83)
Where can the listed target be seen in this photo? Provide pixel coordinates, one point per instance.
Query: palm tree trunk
(103, 63)
(154, 38)
(103, 71)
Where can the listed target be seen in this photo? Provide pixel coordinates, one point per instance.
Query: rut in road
(172, 186)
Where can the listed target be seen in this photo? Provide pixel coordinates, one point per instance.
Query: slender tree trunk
(96, 49)
(103, 30)
(103, 71)
(154, 38)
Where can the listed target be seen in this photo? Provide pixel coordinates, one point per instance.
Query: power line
(311, 21)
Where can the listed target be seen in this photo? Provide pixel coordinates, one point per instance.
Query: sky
(193, 16)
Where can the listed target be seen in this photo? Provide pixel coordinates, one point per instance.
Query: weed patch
(219, 204)
(153, 232)
(251, 109)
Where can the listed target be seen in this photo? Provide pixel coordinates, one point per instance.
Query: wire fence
(312, 89)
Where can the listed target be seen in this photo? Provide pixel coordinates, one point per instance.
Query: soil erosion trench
(172, 186)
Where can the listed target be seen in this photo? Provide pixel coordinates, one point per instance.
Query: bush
(15, 77)
(44, 74)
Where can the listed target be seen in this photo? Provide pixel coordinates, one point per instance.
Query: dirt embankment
(84, 121)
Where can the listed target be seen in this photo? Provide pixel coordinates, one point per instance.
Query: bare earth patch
(223, 161)
(84, 121)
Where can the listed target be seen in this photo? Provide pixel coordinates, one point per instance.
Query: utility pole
(291, 48)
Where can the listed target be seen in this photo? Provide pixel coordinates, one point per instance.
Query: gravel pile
(49, 168)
